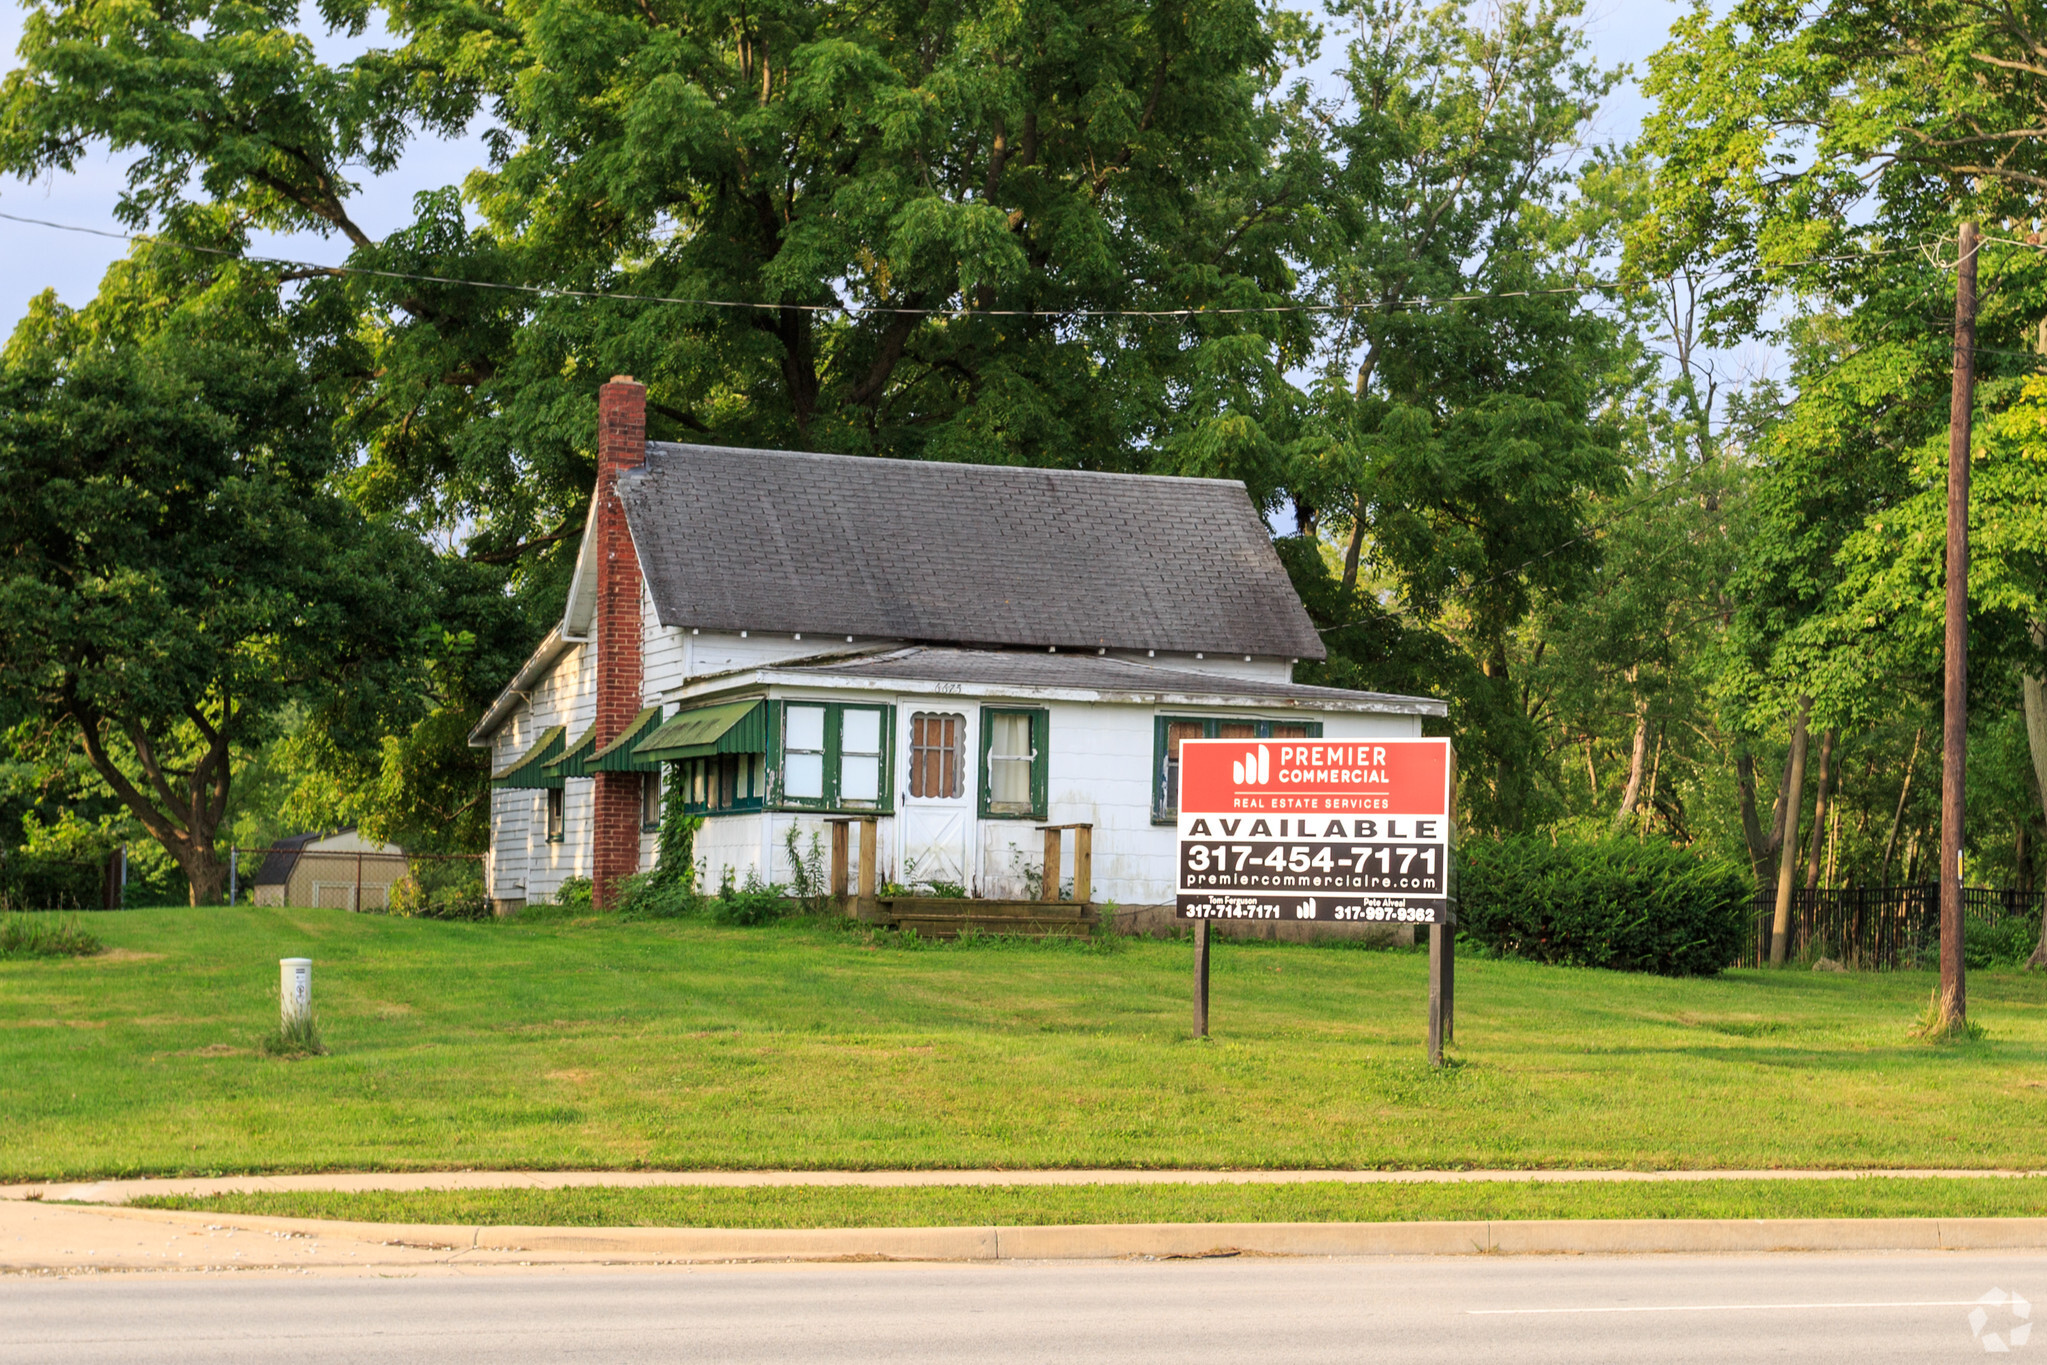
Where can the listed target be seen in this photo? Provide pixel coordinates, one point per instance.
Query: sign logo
(1999, 1343)
(1253, 769)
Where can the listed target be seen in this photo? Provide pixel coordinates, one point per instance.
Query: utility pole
(1954, 996)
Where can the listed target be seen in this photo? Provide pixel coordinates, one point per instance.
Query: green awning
(574, 760)
(528, 770)
(618, 756)
(733, 727)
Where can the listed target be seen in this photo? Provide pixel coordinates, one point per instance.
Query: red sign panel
(1315, 829)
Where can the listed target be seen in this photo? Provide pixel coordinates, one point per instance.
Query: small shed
(340, 870)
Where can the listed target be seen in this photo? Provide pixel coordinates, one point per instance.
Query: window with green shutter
(832, 756)
(1015, 752)
(1169, 731)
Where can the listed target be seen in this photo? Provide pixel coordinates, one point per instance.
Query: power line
(854, 308)
(1646, 495)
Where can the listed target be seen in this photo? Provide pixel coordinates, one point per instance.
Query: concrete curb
(37, 1237)
(120, 1191)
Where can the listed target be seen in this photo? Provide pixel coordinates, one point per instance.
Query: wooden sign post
(1343, 831)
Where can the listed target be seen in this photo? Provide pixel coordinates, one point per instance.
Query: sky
(38, 258)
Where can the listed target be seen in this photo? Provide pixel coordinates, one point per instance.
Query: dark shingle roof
(280, 859)
(770, 540)
(1088, 672)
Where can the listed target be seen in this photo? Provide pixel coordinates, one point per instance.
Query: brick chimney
(621, 445)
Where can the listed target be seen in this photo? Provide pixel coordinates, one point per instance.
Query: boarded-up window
(937, 754)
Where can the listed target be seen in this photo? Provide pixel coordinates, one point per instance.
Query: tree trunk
(1511, 780)
(2033, 701)
(1751, 826)
(1794, 774)
(1353, 550)
(1776, 839)
(1883, 876)
(1637, 760)
(1649, 806)
(1820, 809)
(206, 873)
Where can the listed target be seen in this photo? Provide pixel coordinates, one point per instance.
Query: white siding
(722, 651)
(524, 865)
(512, 813)
(1222, 665)
(664, 652)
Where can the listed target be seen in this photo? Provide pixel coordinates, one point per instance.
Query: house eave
(783, 681)
(551, 649)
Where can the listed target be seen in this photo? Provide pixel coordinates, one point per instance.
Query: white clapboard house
(965, 652)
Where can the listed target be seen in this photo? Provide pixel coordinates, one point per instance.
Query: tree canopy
(1459, 350)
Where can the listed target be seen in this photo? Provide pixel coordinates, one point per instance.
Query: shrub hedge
(1616, 903)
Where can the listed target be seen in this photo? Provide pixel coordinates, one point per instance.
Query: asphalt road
(1864, 1308)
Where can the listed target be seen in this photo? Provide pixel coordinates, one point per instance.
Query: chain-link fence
(436, 885)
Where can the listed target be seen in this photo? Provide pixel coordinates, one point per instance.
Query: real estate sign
(1315, 829)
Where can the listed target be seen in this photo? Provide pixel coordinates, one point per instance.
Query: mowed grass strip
(1047, 1205)
(600, 1044)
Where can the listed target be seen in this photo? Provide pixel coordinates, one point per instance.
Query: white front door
(935, 799)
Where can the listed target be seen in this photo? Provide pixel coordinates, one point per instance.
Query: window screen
(937, 754)
(1010, 756)
(650, 799)
(859, 755)
(554, 813)
(803, 752)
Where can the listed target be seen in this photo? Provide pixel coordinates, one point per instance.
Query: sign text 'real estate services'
(1315, 829)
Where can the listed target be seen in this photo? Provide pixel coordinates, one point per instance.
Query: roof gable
(735, 539)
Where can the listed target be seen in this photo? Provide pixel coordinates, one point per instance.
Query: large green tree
(1452, 446)
(1014, 168)
(1818, 159)
(174, 565)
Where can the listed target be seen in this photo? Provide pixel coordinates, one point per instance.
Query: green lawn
(1029, 1205)
(684, 1045)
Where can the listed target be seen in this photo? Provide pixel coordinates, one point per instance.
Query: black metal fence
(39, 883)
(1876, 927)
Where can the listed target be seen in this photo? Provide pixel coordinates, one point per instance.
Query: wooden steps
(945, 917)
